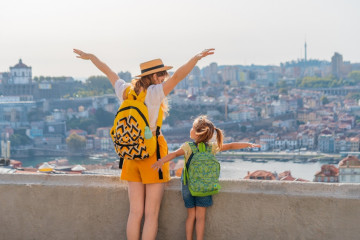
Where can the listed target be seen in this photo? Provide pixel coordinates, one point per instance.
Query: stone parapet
(96, 207)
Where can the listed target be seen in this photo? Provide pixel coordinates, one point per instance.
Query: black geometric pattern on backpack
(129, 144)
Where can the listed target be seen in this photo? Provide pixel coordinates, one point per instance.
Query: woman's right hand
(82, 55)
(184, 70)
(158, 165)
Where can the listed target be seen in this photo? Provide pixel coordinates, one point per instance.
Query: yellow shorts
(141, 170)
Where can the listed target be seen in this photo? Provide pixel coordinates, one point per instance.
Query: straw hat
(152, 66)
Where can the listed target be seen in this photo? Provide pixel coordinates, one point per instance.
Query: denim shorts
(191, 201)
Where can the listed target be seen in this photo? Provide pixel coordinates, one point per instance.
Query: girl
(202, 131)
(145, 187)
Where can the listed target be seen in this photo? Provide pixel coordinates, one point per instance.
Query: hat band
(152, 68)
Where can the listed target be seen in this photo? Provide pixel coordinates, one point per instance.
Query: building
(260, 175)
(336, 65)
(328, 173)
(20, 74)
(286, 176)
(19, 81)
(269, 140)
(306, 139)
(288, 141)
(15, 113)
(349, 170)
(326, 143)
(306, 115)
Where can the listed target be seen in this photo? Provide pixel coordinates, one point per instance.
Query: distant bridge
(281, 156)
(340, 91)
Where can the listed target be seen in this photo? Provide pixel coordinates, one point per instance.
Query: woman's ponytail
(219, 137)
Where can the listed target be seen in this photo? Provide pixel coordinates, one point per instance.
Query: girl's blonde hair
(146, 81)
(204, 131)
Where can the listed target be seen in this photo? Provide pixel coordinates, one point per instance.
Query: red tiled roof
(287, 178)
(260, 174)
(328, 170)
(351, 160)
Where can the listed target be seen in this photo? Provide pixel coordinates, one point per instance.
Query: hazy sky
(124, 33)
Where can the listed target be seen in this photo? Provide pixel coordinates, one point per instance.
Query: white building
(244, 114)
(269, 140)
(20, 74)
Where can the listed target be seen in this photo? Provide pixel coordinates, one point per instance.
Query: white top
(154, 97)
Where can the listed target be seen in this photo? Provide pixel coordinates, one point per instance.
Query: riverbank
(233, 165)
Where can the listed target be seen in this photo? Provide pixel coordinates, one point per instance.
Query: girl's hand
(82, 55)
(252, 145)
(205, 53)
(158, 165)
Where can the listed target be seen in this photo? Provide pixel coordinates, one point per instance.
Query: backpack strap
(194, 150)
(131, 94)
(158, 127)
(193, 147)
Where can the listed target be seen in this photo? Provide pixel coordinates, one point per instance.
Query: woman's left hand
(255, 145)
(82, 55)
(205, 53)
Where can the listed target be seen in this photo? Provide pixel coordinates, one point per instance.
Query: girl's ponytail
(219, 137)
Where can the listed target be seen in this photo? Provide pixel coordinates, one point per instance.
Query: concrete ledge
(96, 207)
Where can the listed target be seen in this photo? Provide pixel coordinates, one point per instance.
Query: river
(230, 169)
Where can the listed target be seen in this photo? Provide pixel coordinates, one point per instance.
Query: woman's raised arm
(184, 70)
(111, 75)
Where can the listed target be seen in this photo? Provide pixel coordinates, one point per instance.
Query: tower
(305, 52)
(336, 65)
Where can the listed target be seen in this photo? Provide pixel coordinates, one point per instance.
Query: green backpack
(202, 171)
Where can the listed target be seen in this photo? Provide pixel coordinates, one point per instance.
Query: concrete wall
(96, 207)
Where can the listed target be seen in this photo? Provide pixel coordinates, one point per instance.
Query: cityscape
(305, 110)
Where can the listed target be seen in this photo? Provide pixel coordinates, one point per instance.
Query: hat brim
(165, 68)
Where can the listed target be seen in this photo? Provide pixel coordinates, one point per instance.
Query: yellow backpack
(131, 134)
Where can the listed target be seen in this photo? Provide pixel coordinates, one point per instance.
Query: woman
(145, 188)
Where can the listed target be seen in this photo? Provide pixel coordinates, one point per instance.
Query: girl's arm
(111, 75)
(169, 157)
(184, 70)
(238, 145)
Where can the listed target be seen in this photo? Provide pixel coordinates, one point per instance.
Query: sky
(124, 33)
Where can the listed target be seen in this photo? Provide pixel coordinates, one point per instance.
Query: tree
(274, 97)
(19, 139)
(283, 91)
(75, 142)
(98, 84)
(355, 96)
(281, 84)
(243, 128)
(355, 75)
(324, 100)
(35, 114)
(104, 118)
